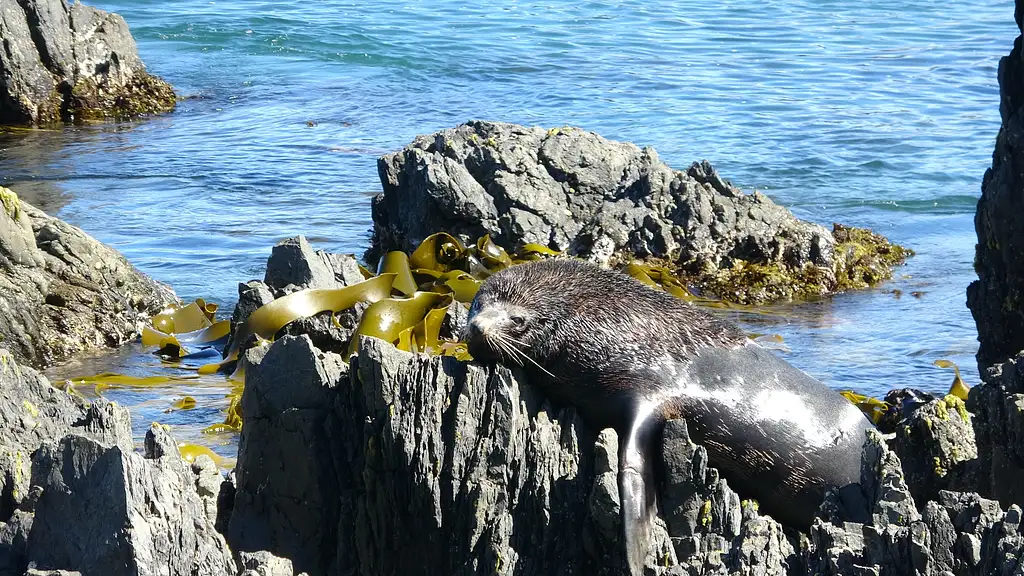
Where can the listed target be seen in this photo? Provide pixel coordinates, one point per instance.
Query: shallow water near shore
(873, 115)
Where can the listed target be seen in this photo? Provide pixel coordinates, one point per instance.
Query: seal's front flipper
(636, 493)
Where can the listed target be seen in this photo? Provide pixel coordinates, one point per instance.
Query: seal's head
(513, 311)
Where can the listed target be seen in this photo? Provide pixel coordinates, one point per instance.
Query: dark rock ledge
(72, 62)
(62, 292)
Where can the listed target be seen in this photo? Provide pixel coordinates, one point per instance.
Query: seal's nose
(476, 341)
(473, 330)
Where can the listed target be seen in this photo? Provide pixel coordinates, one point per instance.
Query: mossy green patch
(143, 94)
(49, 111)
(864, 258)
(955, 403)
(10, 202)
(754, 283)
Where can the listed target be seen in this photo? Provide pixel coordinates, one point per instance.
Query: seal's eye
(517, 319)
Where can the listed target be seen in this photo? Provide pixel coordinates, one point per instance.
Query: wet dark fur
(604, 337)
(596, 330)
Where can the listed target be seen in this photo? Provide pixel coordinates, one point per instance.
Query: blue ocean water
(877, 114)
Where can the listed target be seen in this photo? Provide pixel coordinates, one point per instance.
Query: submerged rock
(62, 292)
(612, 202)
(70, 62)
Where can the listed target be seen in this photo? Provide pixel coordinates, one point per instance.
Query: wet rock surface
(613, 202)
(69, 61)
(76, 497)
(62, 292)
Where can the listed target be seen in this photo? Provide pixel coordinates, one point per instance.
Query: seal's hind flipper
(637, 492)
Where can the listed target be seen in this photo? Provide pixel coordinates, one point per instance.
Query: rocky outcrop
(608, 201)
(405, 463)
(996, 299)
(75, 496)
(61, 291)
(960, 533)
(400, 463)
(937, 445)
(999, 406)
(62, 61)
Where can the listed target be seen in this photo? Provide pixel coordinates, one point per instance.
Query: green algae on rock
(143, 94)
(863, 259)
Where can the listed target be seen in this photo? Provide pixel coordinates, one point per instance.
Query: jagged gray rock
(61, 291)
(462, 470)
(294, 264)
(998, 405)
(107, 510)
(995, 299)
(612, 201)
(287, 493)
(264, 563)
(936, 445)
(62, 61)
(75, 496)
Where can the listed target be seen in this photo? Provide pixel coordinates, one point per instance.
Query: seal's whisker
(509, 342)
(505, 347)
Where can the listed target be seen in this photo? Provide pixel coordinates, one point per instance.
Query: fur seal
(630, 357)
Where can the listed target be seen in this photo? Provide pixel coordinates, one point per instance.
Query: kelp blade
(112, 379)
(386, 319)
(959, 388)
(268, 319)
(437, 252)
(397, 263)
(186, 318)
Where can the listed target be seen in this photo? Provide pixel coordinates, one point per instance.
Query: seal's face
(509, 320)
(498, 329)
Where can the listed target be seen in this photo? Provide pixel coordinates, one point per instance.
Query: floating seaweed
(899, 403)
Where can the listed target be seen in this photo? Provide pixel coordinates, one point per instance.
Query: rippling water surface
(878, 114)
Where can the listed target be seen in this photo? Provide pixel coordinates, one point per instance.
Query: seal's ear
(637, 493)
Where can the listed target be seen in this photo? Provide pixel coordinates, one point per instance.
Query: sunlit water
(867, 113)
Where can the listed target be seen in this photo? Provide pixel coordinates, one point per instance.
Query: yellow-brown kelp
(898, 404)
